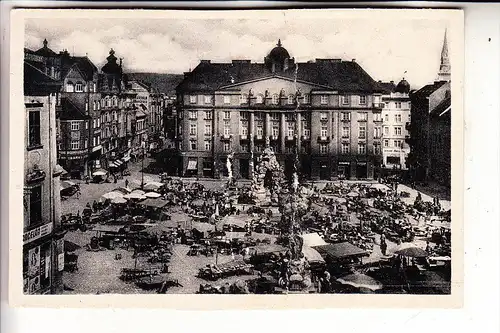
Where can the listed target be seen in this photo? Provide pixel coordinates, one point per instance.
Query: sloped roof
(162, 83)
(427, 90)
(84, 65)
(387, 87)
(70, 111)
(441, 107)
(340, 250)
(337, 75)
(38, 83)
(46, 52)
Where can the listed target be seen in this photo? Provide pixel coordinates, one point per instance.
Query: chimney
(392, 82)
(353, 60)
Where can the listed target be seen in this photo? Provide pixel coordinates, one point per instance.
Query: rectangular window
(193, 145)
(386, 130)
(260, 130)
(306, 99)
(192, 99)
(306, 132)
(227, 129)
(227, 115)
(75, 145)
(397, 130)
(259, 115)
(275, 116)
(397, 118)
(260, 99)
(324, 131)
(345, 131)
(227, 146)
(362, 132)
(377, 117)
(362, 116)
(398, 105)
(208, 145)
(345, 100)
(227, 99)
(345, 116)
(193, 115)
(362, 99)
(291, 130)
(398, 143)
(75, 126)
(386, 117)
(244, 128)
(386, 143)
(324, 99)
(208, 115)
(276, 130)
(85, 144)
(244, 147)
(208, 129)
(208, 99)
(244, 115)
(34, 128)
(192, 129)
(323, 116)
(345, 148)
(361, 148)
(376, 148)
(323, 148)
(79, 87)
(378, 133)
(290, 99)
(35, 205)
(86, 125)
(275, 99)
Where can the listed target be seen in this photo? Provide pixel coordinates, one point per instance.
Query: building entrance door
(344, 171)
(324, 172)
(361, 171)
(245, 168)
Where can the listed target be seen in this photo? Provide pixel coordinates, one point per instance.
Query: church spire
(444, 67)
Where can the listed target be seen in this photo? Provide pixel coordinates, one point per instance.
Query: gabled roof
(46, 52)
(387, 87)
(38, 83)
(84, 65)
(442, 108)
(337, 75)
(70, 111)
(427, 90)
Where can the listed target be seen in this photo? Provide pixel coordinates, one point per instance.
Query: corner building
(327, 110)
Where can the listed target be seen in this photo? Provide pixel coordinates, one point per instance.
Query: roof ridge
(38, 70)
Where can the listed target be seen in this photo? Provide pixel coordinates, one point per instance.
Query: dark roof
(38, 83)
(336, 75)
(403, 87)
(46, 52)
(387, 87)
(162, 83)
(84, 65)
(340, 250)
(427, 90)
(441, 107)
(70, 111)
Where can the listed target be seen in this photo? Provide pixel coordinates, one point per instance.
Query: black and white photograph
(240, 154)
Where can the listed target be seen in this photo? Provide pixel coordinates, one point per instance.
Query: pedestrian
(383, 248)
(126, 182)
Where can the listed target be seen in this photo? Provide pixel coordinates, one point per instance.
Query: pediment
(273, 85)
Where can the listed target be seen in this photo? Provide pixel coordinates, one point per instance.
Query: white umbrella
(152, 195)
(141, 192)
(135, 196)
(112, 195)
(153, 186)
(118, 200)
(353, 194)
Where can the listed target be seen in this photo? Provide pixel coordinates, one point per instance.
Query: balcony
(259, 137)
(35, 175)
(274, 138)
(378, 105)
(345, 119)
(226, 137)
(305, 138)
(243, 137)
(323, 139)
(290, 138)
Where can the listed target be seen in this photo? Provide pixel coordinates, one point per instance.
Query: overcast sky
(385, 48)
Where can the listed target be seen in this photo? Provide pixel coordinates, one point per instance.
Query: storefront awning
(192, 165)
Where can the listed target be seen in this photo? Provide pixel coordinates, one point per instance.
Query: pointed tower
(444, 73)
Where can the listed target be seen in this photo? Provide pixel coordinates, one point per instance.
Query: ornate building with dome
(329, 111)
(396, 116)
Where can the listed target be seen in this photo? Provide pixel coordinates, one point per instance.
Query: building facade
(328, 111)
(396, 116)
(430, 133)
(43, 244)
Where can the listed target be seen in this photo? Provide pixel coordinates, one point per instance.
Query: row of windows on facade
(323, 147)
(275, 99)
(79, 86)
(344, 116)
(290, 130)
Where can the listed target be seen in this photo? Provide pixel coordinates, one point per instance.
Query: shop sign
(37, 233)
(344, 163)
(60, 262)
(361, 163)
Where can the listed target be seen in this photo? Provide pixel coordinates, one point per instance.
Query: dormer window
(324, 99)
(275, 99)
(227, 99)
(243, 99)
(260, 99)
(192, 99)
(290, 99)
(70, 87)
(306, 99)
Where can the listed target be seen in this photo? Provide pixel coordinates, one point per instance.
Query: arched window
(260, 99)
(70, 87)
(115, 101)
(276, 99)
(243, 98)
(290, 99)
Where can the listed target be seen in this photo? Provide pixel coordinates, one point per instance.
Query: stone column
(268, 126)
(251, 132)
(282, 131)
(299, 132)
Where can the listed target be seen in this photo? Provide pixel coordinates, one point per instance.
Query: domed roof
(279, 53)
(403, 86)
